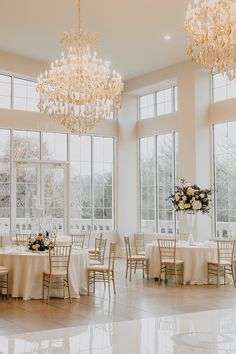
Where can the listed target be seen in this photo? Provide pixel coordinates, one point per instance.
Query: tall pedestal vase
(191, 221)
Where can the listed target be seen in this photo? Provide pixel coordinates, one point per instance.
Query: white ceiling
(130, 32)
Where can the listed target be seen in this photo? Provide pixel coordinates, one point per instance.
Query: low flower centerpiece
(38, 243)
(191, 199)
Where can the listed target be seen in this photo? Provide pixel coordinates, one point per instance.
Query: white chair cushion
(55, 272)
(94, 262)
(3, 269)
(222, 263)
(98, 268)
(142, 253)
(170, 261)
(138, 257)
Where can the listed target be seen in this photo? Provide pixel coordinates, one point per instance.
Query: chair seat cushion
(55, 272)
(222, 263)
(93, 250)
(98, 268)
(3, 269)
(138, 257)
(170, 261)
(142, 253)
(94, 262)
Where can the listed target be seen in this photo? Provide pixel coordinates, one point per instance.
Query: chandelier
(79, 90)
(211, 28)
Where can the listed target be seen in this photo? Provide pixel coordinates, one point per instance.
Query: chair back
(225, 250)
(127, 247)
(78, 240)
(87, 235)
(112, 255)
(139, 243)
(53, 238)
(167, 248)
(182, 237)
(22, 239)
(59, 258)
(100, 247)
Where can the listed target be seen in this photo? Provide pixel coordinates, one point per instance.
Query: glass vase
(191, 224)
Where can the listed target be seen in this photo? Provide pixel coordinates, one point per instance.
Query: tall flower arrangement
(191, 198)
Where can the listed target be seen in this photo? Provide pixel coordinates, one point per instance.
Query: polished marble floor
(207, 332)
(155, 315)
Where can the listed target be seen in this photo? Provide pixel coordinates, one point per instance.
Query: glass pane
(80, 183)
(53, 181)
(222, 87)
(5, 196)
(165, 182)
(26, 197)
(25, 95)
(5, 91)
(54, 146)
(165, 101)
(146, 106)
(103, 183)
(4, 144)
(225, 177)
(148, 184)
(26, 144)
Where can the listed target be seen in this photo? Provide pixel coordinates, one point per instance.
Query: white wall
(193, 125)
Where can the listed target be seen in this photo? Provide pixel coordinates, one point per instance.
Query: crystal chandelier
(79, 90)
(211, 28)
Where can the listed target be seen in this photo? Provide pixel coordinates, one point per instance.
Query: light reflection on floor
(203, 332)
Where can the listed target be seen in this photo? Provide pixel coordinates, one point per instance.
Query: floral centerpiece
(38, 243)
(191, 198)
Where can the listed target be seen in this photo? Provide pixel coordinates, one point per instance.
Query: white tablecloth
(26, 272)
(195, 261)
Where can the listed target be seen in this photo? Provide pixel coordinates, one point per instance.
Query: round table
(26, 272)
(195, 259)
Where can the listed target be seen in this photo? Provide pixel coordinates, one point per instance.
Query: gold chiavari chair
(168, 262)
(94, 252)
(139, 244)
(136, 261)
(22, 239)
(4, 280)
(57, 277)
(53, 239)
(182, 237)
(78, 240)
(87, 235)
(98, 257)
(103, 273)
(224, 264)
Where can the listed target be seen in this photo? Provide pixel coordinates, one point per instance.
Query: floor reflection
(204, 332)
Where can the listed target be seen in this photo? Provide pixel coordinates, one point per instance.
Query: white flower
(186, 206)
(34, 247)
(184, 198)
(181, 204)
(197, 205)
(190, 191)
(202, 195)
(177, 197)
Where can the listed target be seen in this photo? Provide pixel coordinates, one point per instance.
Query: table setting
(194, 255)
(27, 262)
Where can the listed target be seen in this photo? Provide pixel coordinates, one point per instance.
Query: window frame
(174, 101)
(226, 86)
(174, 178)
(67, 165)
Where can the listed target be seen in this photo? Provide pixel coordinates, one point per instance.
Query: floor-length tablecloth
(26, 272)
(195, 260)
